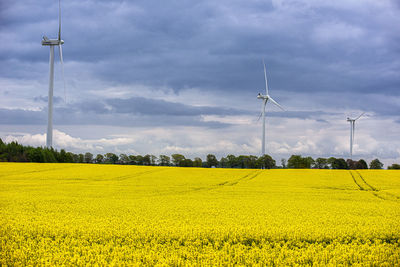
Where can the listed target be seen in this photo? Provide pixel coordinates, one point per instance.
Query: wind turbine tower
(265, 99)
(352, 129)
(52, 43)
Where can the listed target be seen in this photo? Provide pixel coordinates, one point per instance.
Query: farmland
(132, 215)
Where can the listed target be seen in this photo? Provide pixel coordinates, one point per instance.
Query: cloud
(63, 140)
(211, 45)
(284, 138)
(150, 106)
(141, 66)
(337, 32)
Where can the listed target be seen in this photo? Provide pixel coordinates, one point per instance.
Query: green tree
(48, 156)
(14, 152)
(351, 164)
(153, 160)
(88, 158)
(75, 157)
(394, 166)
(177, 158)
(3, 152)
(294, 162)
(164, 160)
(231, 161)
(211, 161)
(252, 162)
(35, 155)
(132, 159)
(62, 156)
(298, 162)
(330, 162)
(376, 164)
(110, 158)
(361, 164)
(283, 163)
(124, 159)
(69, 157)
(321, 163)
(266, 162)
(197, 162)
(240, 161)
(339, 164)
(139, 160)
(147, 160)
(99, 158)
(308, 162)
(186, 163)
(223, 163)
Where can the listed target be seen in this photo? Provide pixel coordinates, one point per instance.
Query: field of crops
(130, 215)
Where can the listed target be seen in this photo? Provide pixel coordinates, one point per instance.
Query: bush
(361, 164)
(376, 164)
(394, 167)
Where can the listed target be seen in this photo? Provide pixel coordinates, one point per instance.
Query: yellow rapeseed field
(79, 214)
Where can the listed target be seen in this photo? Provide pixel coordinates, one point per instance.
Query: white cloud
(285, 136)
(337, 32)
(243, 120)
(77, 145)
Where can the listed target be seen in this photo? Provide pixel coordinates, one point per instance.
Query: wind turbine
(352, 129)
(52, 43)
(265, 99)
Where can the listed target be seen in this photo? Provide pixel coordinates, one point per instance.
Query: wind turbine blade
(259, 117)
(59, 20)
(265, 78)
(262, 109)
(359, 116)
(62, 69)
(276, 103)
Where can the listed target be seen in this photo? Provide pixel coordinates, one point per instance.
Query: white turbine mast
(53, 42)
(352, 130)
(265, 99)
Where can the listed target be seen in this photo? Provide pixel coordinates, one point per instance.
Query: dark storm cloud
(63, 116)
(56, 99)
(315, 115)
(138, 112)
(19, 116)
(140, 105)
(120, 112)
(214, 45)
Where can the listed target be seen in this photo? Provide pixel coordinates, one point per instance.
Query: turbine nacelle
(260, 96)
(265, 99)
(52, 43)
(352, 129)
(47, 41)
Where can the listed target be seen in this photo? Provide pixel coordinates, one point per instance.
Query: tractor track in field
(233, 182)
(36, 171)
(363, 185)
(247, 177)
(125, 177)
(367, 184)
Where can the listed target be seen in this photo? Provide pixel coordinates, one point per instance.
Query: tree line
(14, 152)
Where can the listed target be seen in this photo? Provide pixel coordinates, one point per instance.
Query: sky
(165, 77)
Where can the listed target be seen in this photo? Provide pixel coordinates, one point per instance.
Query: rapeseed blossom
(79, 214)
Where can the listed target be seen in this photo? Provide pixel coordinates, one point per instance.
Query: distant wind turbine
(352, 129)
(53, 42)
(265, 99)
